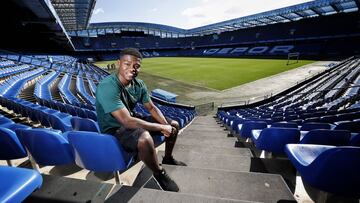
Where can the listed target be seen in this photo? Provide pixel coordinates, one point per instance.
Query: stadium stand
(302, 122)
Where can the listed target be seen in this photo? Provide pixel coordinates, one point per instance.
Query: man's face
(129, 67)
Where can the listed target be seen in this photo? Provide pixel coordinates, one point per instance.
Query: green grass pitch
(215, 73)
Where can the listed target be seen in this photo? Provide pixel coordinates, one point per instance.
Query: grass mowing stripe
(216, 73)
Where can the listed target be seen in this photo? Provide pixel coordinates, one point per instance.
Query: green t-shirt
(111, 95)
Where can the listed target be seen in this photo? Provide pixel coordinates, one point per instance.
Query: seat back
(285, 125)
(98, 152)
(274, 139)
(84, 124)
(314, 125)
(46, 147)
(248, 126)
(336, 171)
(11, 147)
(352, 126)
(327, 137)
(18, 183)
(62, 124)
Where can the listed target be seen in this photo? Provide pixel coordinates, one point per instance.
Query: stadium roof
(287, 14)
(32, 25)
(74, 14)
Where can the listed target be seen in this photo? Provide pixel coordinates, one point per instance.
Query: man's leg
(140, 141)
(170, 141)
(169, 145)
(147, 152)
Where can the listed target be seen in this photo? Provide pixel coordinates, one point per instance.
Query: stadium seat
(98, 152)
(84, 124)
(352, 126)
(248, 126)
(11, 147)
(62, 124)
(328, 168)
(285, 125)
(47, 147)
(14, 126)
(355, 140)
(4, 120)
(327, 137)
(314, 125)
(17, 183)
(274, 139)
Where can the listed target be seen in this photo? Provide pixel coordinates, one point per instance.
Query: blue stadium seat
(314, 125)
(248, 126)
(15, 126)
(11, 147)
(285, 125)
(4, 120)
(328, 168)
(98, 152)
(352, 126)
(46, 146)
(84, 124)
(17, 183)
(62, 124)
(327, 137)
(274, 139)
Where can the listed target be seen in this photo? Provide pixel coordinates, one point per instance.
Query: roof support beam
(335, 7)
(316, 11)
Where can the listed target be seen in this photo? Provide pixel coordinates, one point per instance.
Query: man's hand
(167, 130)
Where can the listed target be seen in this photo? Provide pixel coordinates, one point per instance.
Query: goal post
(293, 58)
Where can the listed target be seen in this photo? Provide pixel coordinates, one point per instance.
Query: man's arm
(123, 116)
(155, 112)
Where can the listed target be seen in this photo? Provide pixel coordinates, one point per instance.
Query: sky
(184, 14)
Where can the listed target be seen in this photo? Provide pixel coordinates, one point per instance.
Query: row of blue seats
(181, 115)
(92, 85)
(80, 88)
(14, 70)
(333, 116)
(74, 110)
(316, 154)
(14, 85)
(90, 150)
(6, 63)
(64, 89)
(42, 90)
(46, 116)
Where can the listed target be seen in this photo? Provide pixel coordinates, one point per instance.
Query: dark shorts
(129, 138)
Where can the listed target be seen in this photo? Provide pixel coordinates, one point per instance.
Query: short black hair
(132, 52)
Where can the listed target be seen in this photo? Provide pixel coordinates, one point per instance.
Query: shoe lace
(163, 172)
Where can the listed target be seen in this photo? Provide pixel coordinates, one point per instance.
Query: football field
(214, 73)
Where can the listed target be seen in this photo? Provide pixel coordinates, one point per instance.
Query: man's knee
(145, 140)
(175, 124)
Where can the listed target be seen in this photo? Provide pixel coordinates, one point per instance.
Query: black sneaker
(172, 161)
(165, 182)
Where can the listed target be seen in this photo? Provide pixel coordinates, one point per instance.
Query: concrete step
(204, 140)
(209, 134)
(132, 194)
(212, 161)
(61, 189)
(258, 187)
(213, 150)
